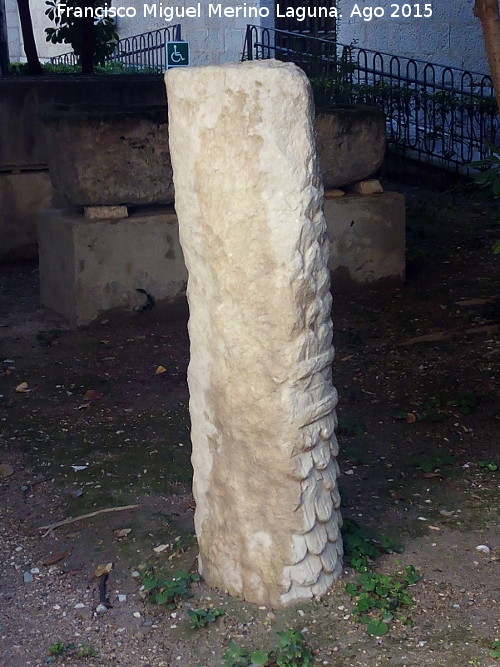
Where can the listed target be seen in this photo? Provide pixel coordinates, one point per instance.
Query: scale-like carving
(248, 199)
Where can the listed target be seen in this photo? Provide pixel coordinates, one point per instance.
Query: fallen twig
(65, 522)
(478, 302)
(441, 336)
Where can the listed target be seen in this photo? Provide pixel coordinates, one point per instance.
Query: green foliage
(110, 68)
(432, 463)
(80, 651)
(488, 465)
(168, 590)
(259, 657)
(200, 618)
(437, 408)
(489, 177)
(495, 649)
(57, 648)
(68, 29)
(351, 427)
(292, 651)
(379, 597)
(360, 550)
(235, 656)
(489, 180)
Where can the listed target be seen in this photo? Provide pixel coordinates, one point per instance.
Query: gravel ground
(98, 428)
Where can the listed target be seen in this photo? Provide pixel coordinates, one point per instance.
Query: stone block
(367, 238)
(248, 196)
(336, 192)
(105, 212)
(22, 197)
(111, 157)
(369, 187)
(350, 142)
(89, 267)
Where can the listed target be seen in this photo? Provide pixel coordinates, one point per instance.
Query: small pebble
(122, 598)
(101, 609)
(79, 605)
(136, 614)
(27, 577)
(482, 548)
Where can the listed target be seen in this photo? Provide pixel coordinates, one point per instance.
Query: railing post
(248, 48)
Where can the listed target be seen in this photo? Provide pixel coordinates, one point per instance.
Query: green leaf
(377, 628)
(259, 657)
(149, 583)
(351, 589)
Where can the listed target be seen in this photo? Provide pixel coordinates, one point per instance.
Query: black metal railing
(141, 52)
(435, 113)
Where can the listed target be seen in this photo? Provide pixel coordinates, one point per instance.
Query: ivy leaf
(259, 657)
(377, 628)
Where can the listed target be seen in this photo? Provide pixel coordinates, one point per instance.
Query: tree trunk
(487, 11)
(88, 39)
(4, 44)
(30, 50)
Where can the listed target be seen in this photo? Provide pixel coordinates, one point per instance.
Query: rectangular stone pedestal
(90, 266)
(367, 238)
(22, 196)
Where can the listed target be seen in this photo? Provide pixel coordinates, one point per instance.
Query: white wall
(452, 36)
(40, 22)
(212, 40)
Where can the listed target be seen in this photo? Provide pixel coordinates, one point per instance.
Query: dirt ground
(96, 427)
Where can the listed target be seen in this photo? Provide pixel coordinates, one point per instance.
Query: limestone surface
(248, 199)
(111, 157)
(369, 187)
(350, 143)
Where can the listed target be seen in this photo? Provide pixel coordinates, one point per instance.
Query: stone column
(248, 197)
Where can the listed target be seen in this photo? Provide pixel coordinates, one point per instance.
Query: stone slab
(89, 267)
(367, 238)
(105, 212)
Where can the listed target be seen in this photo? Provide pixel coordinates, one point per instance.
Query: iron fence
(140, 52)
(435, 113)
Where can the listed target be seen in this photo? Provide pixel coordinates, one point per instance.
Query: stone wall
(452, 36)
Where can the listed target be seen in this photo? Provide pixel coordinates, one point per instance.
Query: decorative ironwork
(435, 113)
(141, 52)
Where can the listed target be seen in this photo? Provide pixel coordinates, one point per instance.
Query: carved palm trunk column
(248, 197)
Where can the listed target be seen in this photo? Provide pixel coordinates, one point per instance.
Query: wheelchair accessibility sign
(177, 54)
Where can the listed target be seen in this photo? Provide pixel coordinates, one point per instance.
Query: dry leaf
(430, 475)
(411, 418)
(22, 388)
(160, 369)
(122, 532)
(56, 558)
(6, 470)
(92, 395)
(433, 528)
(103, 569)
